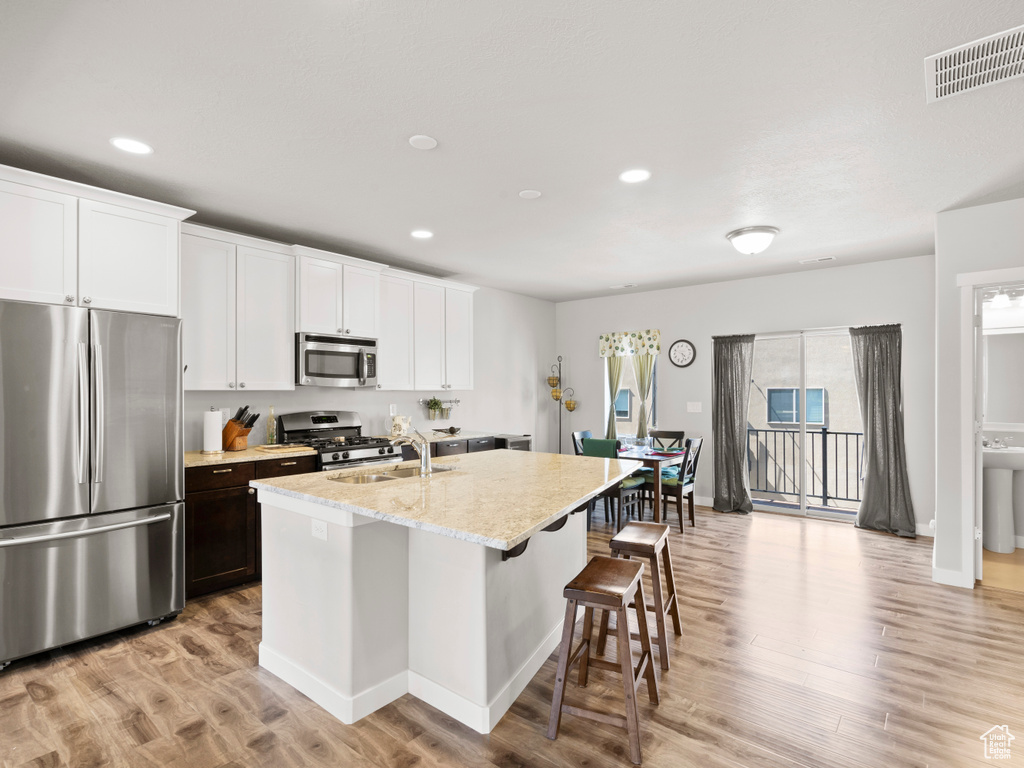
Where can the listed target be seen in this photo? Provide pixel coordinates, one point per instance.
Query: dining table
(657, 460)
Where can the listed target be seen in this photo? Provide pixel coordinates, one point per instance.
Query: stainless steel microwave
(323, 360)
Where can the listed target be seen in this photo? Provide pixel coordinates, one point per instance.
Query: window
(784, 405)
(624, 406)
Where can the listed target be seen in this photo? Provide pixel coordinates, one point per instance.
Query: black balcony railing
(834, 463)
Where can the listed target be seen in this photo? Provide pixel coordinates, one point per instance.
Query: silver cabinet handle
(83, 410)
(378, 386)
(87, 300)
(220, 471)
(241, 385)
(231, 385)
(86, 532)
(69, 298)
(252, 491)
(100, 422)
(289, 463)
(341, 330)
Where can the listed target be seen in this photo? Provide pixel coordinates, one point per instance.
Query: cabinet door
(38, 245)
(127, 259)
(220, 539)
(395, 358)
(428, 338)
(208, 316)
(458, 339)
(361, 302)
(266, 320)
(320, 291)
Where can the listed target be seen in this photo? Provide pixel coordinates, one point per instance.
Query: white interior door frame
(970, 284)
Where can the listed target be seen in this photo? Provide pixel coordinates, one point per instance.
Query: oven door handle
(362, 366)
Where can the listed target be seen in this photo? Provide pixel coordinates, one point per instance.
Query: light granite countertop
(200, 459)
(433, 437)
(495, 498)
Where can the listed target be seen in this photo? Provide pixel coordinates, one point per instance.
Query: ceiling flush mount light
(131, 145)
(422, 142)
(751, 240)
(529, 194)
(634, 176)
(422, 234)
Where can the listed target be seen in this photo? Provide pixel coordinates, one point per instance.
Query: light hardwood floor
(1003, 571)
(806, 643)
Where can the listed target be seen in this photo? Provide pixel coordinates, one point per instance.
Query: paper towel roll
(212, 432)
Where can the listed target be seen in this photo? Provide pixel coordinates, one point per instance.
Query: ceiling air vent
(817, 260)
(967, 67)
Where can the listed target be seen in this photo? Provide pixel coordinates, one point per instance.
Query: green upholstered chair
(626, 493)
(682, 485)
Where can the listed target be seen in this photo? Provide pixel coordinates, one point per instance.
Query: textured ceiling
(290, 120)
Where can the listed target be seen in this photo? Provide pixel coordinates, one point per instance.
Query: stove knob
(391, 449)
(344, 455)
(380, 450)
(335, 457)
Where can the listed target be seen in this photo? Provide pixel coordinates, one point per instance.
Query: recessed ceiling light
(635, 175)
(530, 194)
(423, 142)
(131, 145)
(752, 240)
(422, 234)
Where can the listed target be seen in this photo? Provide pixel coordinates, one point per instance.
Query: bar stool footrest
(591, 714)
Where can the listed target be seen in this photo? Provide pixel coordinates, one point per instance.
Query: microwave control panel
(371, 365)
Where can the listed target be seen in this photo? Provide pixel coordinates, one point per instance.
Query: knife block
(235, 436)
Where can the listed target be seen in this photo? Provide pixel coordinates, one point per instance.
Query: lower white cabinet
(238, 315)
(127, 259)
(395, 356)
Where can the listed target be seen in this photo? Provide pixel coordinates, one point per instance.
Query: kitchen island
(447, 587)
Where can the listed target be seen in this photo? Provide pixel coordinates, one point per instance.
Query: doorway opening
(805, 437)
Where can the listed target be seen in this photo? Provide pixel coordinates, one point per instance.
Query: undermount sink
(387, 474)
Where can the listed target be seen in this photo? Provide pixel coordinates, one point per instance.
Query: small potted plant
(434, 407)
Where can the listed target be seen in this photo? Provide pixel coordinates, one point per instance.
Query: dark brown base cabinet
(222, 521)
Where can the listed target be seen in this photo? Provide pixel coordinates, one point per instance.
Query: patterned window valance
(630, 343)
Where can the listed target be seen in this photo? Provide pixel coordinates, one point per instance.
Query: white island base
(379, 610)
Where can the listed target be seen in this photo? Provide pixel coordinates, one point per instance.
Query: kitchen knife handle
(83, 411)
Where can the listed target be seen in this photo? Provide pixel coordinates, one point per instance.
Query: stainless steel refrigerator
(91, 474)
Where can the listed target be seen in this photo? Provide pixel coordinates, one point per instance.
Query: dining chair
(626, 493)
(664, 440)
(578, 438)
(683, 484)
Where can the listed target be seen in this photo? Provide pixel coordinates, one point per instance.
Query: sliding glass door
(804, 437)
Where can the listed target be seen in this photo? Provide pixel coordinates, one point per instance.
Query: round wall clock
(682, 353)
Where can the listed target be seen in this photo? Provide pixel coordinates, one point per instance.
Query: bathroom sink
(1003, 458)
(362, 479)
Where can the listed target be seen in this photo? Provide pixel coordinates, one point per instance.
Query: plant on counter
(434, 405)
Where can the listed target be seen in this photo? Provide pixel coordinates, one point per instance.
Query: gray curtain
(734, 361)
(614, 380)
(885, 504)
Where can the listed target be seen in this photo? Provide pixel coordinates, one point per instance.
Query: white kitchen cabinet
(127, 259)
(209, 317)
(428, 340)
(361, 302)
(395, 356)
(38, 245)
(458, 338)
(320, 295)
(266, 312)
(238, 312)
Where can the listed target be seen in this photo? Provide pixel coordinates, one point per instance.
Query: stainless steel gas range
(337, 438)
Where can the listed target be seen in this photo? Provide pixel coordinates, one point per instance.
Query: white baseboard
(482, 719)
(952, 578)
(703, 501)
(925, 529)
(348, 709)
(1018, 542)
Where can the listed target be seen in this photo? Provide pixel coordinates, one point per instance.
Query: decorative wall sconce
(563, 396)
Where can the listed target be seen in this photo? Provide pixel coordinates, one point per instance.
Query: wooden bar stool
(648, 540)
(609, 584)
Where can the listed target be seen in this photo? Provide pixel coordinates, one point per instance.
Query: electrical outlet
(225, 414)
(320, 530)
(694, 408)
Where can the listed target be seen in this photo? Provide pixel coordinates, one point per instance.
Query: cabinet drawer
(222, 476)
(480, 444)
(452, 447)
(293, 465)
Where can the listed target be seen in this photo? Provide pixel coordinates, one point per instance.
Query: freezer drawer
(66, 581)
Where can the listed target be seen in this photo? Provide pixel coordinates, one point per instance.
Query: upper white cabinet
(38, 245)
(238, 312)
(458, 338)
(395, 356)
(68, 243)
(428, 341)
(127, 259)
(337, 294)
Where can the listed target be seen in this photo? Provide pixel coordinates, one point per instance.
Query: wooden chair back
(578, 438)
(689, 470)
(667, 439)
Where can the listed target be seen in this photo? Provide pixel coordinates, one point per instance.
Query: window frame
(796, 410)
(629, 404)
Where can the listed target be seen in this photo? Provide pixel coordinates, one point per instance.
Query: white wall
(898, 291)
(513, 349)
(967, 240)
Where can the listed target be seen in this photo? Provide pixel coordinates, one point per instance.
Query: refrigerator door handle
(83, 411)
(99, 424)
(86, 532)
